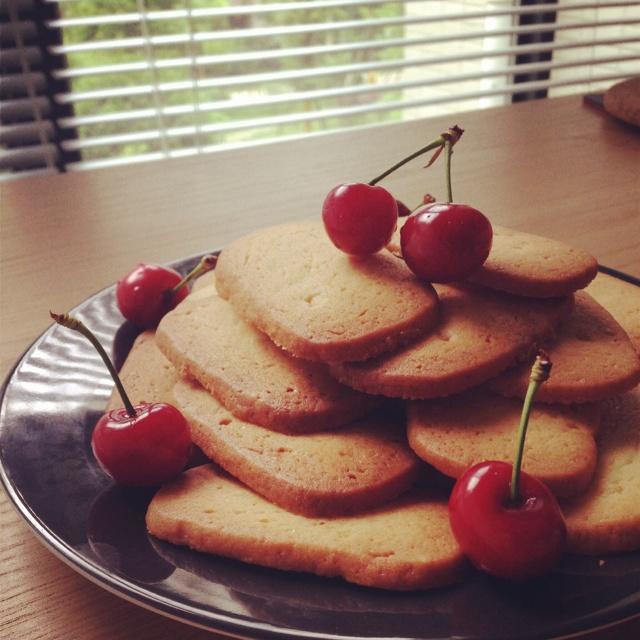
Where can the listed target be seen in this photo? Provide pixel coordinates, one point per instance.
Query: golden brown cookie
(480, 333)
(593, 359)
(319, 303)
(622, 300)
(622, 100)
(455, 433)
(146, 374)
(362, 465)
(206, 340)
(528, 265)
(407, 544)
(606, 519)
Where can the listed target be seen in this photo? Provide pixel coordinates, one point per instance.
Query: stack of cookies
(333, 395)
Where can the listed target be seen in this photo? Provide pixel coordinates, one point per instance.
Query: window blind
(146, 80)
(26, 128)
(29, 133)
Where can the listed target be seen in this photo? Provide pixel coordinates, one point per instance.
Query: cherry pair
(440, 242)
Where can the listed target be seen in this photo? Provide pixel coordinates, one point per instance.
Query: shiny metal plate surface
(51, 401)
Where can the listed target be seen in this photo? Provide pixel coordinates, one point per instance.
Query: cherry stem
(448, 150)
(206, 264)
(453, 134)
(426, 199)
(74, 324)
(539, 373)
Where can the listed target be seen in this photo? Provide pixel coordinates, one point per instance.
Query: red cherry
(403, 210)
(446, 242)
(509, 541)
(359, 218)
(137, 446)
(144, 450)
(144, 295)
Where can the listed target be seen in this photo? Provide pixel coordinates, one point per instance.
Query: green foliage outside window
(240, 94)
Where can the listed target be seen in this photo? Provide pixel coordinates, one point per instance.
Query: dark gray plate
(50, 402)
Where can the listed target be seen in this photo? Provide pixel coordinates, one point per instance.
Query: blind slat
(235, 34)
(353, 47)
(28, 157)
(254, 79)
(26, 29)
(27, 133)
(329, 113)
(14, 85)
(21, 7)
(23, 108)
(220, 12)
(335, 92)
(10, 60)
(239, 10)
(243, 10)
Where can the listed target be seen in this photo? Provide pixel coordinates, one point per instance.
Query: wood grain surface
(553, 167)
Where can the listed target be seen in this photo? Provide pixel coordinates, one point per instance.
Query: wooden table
(553, 167)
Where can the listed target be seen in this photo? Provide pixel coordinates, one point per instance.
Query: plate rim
(232, 625)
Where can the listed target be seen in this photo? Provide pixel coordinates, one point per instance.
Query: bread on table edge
(622, 100)
(405, 545)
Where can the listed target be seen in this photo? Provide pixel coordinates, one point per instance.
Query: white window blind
(148, 79)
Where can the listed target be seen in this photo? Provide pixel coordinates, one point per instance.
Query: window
(135, 80)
